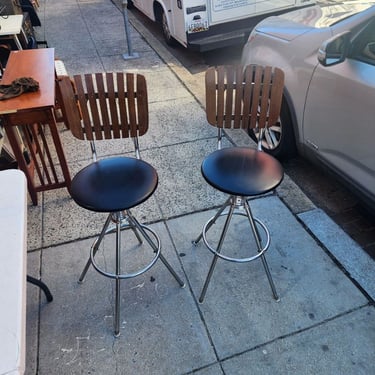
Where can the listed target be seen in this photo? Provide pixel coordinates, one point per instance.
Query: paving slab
(239, 309)
(161, 328)
(343, 345)
(356, 262)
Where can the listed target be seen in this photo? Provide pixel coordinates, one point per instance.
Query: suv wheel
(278, 140)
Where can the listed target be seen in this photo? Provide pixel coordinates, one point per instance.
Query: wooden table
(29, 119)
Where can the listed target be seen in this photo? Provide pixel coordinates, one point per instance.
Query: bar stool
(108, 106)
(240, 97)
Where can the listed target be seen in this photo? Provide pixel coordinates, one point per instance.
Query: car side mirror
(334, 50)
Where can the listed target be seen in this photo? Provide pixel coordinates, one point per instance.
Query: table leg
(59, 149)
(18, 154)
(27, 131)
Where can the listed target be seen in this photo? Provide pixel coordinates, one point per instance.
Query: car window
(363, 44)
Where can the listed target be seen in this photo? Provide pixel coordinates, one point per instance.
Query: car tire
(279, 140)
(166, 31)
(130, 4)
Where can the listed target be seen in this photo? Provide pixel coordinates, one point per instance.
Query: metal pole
(130, 54)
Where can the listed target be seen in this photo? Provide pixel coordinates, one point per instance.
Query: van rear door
(230, 10)
(267, 6)
(224, 10)
(177, 22)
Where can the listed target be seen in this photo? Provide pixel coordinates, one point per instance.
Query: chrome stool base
(125, 220)
(236, 203)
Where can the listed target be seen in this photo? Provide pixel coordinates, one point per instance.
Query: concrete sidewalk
(325, 320)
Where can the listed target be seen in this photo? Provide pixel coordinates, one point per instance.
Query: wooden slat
(82, 102)
(93, 112)
(264, 97)
(229, 79)
(142, 104)
(47, 152)
(276, 96)
(255, 95)
(124, 120)
(101, 106)
(30, 145)
(239, 97)
(220, 97)
(247, 96)
(210, 80)
(112, 97)
(44, 172)
(130, 90)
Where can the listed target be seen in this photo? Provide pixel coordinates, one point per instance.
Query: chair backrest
(239, 97)
(105, 105)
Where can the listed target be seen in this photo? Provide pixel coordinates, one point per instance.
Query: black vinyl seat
(102, 106)
(114, 184)
(242, 171)
(240, 97)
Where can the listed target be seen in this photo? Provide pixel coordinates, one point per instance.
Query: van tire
(166, 30)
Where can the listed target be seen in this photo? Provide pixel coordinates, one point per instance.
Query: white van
(204, 25)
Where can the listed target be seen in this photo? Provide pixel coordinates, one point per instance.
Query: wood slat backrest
(105, 105)
(240, 97)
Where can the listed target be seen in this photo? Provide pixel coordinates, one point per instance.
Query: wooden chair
(110, 106)
(240, 97)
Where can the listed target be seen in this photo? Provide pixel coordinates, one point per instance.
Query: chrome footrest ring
(231, 259)
(157, 251)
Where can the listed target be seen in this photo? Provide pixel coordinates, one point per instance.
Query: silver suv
(328, 113)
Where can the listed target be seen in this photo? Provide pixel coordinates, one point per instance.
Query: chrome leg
(259, 246)
(118, 272)
(223, 207)
(236, 202)
(133, 227)
(172, 271)
(214, 260)
(268, 273)
(141, 232)
(152, 244)
(95, 245)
